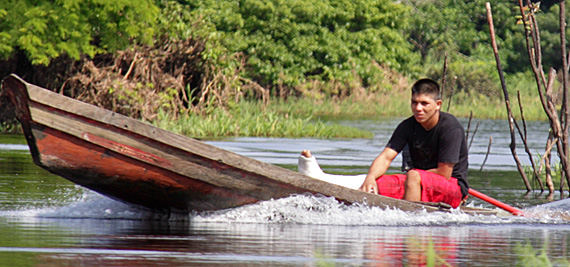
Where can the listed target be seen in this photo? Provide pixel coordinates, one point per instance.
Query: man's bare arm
(378, 168)
(443, 169)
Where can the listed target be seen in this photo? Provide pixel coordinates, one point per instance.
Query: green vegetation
(529, 257)
(45, 30)
(290, 42)
(251, 119)
(299, 59)
(322, 259)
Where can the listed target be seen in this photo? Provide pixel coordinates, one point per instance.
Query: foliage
(459, 30)
(46, 29)
(334, 52)
(220, 80)
(251, 119)
(287, 43)
(529, 257)
(472, 76)
(548, 20)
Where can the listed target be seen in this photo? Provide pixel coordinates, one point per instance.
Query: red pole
(495, 202)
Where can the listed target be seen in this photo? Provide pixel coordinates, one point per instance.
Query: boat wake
(557, 210)
(89, 205)
(297, 209)
(320, 210)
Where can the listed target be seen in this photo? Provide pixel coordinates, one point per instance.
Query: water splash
(320, 210)
(557, 211)
(88, 205)
(298, 209)
(15, 147)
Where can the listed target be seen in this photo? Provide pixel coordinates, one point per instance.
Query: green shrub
(45, 29)
(288, 43)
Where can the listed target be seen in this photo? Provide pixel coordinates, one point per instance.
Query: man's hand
(369, 186)
(377, 169)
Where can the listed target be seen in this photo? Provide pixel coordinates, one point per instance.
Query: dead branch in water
(469, 129)
(506, 95)
(443, 82)
(524, 137)
(487, 154)
(565, 101)
(547, 168)
(545, 83)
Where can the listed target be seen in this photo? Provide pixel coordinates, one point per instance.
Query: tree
(45, 29)
(289, 42)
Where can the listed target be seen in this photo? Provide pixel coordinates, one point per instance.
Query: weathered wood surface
(137, 163)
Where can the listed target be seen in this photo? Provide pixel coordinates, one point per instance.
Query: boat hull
(126, 179)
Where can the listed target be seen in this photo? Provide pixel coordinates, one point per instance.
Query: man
(438, 153)
(437, 148)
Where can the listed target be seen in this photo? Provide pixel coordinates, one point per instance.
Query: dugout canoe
(137, 163)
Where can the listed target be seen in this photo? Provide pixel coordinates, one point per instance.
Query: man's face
(424, 107)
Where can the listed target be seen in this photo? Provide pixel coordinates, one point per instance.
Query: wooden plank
(81, 129)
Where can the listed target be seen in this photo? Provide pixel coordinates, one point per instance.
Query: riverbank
(254, 120)
(315, 118)
(310, 117)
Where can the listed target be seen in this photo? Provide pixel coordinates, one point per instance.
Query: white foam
(297, 209)
(309, 209)
(14, 147)
(89, 205)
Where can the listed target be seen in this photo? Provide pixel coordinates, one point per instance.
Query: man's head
(426, 102)
(427, 87)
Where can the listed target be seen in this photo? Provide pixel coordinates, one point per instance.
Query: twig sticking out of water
(547, 168)
(443, 82)
(487, 155)
(524, 138)
(468, 129)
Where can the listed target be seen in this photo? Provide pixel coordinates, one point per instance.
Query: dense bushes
(290, 44)
(297, 47)
(46, 29)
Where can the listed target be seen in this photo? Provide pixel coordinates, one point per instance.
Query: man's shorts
(435, 188)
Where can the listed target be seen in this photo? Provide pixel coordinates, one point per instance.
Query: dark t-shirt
(443, 143)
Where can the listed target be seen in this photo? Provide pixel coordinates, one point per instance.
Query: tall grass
(350, 107)
(494, 108)
(398, 105)
(313, 116)
(250, 119)
(531, 257)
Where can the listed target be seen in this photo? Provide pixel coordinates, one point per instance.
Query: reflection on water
(296, 231)
(47, 221)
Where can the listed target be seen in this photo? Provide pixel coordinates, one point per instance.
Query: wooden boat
(134, 162)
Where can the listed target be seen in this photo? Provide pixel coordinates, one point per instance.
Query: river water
(48, 221)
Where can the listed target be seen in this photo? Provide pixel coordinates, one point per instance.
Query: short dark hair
(428, 87)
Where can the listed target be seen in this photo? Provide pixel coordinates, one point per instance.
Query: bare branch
(506, 95)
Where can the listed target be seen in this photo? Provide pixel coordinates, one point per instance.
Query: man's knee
(413, 178)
